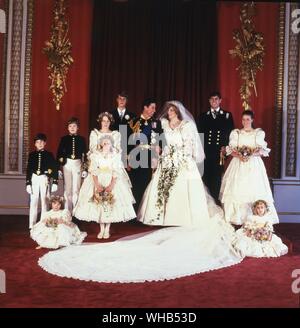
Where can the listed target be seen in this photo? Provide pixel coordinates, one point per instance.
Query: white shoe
(106, 235)
(100, 234)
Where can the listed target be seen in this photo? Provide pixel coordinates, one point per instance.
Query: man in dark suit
(216, 124)
(146, 143)
(122, 116)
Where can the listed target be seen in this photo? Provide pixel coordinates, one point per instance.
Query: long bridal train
(164, 254)
(161, 255)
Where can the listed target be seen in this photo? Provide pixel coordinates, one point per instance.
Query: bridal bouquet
(51, 223)
(258, 231)
(170, 162)
(104, 198)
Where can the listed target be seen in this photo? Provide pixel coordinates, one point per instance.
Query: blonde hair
(57, 199)
(106, 137)
(259, 201)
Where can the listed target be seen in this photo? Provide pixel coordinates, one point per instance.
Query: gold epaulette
(135, 127)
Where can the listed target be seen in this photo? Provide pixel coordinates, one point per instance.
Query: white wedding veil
(187, 116)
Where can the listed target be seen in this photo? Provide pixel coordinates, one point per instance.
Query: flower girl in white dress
(245, 179)
(105, 197)
(256, 238)
(56, 229)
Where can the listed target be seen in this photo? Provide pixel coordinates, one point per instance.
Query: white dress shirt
(121, 112)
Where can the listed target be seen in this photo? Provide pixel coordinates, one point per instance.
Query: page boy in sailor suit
(41, 166)
(71, 154)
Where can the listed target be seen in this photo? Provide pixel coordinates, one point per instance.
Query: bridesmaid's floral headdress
(106, 114)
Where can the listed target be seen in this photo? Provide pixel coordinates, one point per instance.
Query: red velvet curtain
(266, 22)
(44, 117)
(165, 49)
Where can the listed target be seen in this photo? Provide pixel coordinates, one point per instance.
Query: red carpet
(253, 283)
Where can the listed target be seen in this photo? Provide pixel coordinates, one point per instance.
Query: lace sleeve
(164, 123)
(117, 166)
(261, 143)
(189, 140)
(93, 141)
(233, 141)
(117, 141)
(93, 167)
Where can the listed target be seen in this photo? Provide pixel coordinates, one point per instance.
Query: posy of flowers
(258, 231)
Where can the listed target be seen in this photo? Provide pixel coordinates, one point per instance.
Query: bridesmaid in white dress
(106, 173)
(256, 238)
(56, 229)
(245, 179)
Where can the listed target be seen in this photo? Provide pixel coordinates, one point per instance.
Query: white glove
(84, 174)
(54, 187)
(29, 189)
(60, 174)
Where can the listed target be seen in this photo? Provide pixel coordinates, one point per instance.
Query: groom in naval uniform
(122, 116)
(146, 144)
(216, 124)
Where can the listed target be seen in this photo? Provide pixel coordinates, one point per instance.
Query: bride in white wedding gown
(201, 243)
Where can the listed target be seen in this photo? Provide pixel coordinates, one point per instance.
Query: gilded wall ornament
(250, 49)
(58, 51)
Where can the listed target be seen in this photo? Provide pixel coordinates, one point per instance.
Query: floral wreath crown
(109, 115)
